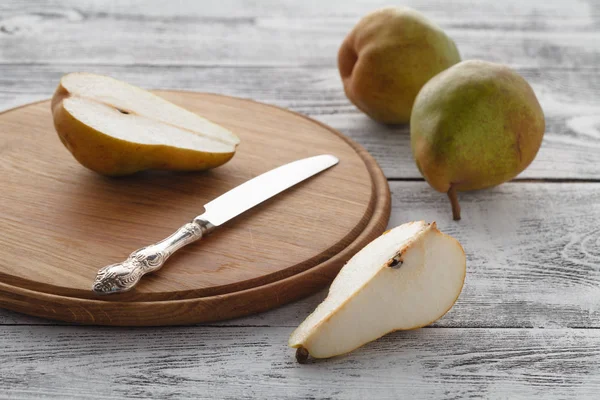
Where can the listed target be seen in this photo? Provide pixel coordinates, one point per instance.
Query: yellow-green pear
(115, 128)
(386, 59)
(473, 126)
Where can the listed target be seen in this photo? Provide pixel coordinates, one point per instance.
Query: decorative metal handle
(123, 276)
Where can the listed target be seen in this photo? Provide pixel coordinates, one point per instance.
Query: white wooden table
(527, 322)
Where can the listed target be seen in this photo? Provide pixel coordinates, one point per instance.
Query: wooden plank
(234, 362)
(571, 147)
(532, 256)
(538, 34)
(532, 251)
(532, 248)
(506, 11)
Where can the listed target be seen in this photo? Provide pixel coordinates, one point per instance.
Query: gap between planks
(233, 65)
(237, 326)
(517, 180)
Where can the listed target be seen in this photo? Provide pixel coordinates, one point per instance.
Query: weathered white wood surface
(570, 98)
(287, 33)
(526, 324)
(239, 363)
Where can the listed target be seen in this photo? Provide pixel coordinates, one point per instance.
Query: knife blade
(123, 276)
(263, 187)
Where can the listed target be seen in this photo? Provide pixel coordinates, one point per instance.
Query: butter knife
(123, 276)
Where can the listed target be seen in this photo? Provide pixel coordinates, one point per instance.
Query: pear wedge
(405, 279)
(115, 128)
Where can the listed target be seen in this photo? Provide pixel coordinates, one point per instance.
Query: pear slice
(115, 128)
(405, 279)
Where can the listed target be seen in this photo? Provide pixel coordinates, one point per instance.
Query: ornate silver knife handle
(123, 276)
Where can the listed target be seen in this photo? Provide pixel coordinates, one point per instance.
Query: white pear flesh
(405, 279)
(139, 128)
(116, 128)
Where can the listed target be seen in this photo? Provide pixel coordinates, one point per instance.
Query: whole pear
(473, 126)
(386, 59)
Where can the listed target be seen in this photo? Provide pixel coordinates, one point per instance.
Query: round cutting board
(61, 222)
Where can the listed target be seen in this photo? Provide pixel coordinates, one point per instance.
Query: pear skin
(386, 59)
(473, 126)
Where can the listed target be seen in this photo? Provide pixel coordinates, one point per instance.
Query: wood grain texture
(571, 147)
(532, 248)
(306, 33)
(62, 222)
(532, 256)
(532, 251)
(240, 363)
(581, 13)
(211, 308)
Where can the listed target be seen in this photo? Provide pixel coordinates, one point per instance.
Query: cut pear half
(405, 279)
(115, 128)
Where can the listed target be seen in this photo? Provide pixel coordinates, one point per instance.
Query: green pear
(387, 58)
(473, 126)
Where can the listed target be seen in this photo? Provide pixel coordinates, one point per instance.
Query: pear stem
(454, 202)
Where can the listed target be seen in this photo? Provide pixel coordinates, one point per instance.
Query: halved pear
(115, 128)
(405, 279)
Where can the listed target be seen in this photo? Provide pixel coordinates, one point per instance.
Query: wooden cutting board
(60, 222)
